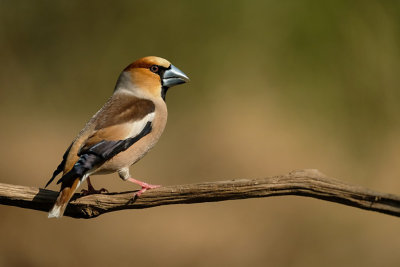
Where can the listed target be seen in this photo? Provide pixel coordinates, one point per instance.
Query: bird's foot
(145, 187)
(85, 192)
(91, 190)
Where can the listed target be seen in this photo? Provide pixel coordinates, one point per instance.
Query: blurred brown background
(275, 86)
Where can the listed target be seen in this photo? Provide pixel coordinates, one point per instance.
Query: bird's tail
(63, 199)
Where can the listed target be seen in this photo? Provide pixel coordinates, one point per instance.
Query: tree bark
(309, 183)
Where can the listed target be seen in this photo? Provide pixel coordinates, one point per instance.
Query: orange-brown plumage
(123, 130)
(147, 62)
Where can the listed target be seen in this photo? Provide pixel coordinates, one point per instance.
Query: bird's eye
(154, 68)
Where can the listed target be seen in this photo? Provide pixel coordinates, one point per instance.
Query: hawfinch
(122, 131)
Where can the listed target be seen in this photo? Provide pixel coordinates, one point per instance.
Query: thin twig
(309, 183)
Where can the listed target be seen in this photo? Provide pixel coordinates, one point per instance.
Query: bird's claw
(86, 192)
(145, 187)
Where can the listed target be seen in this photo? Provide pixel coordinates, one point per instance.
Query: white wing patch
(138, 126)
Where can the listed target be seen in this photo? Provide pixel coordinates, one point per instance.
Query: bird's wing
(93, 156)
(118, 125)
(110, 141)
(61, 166)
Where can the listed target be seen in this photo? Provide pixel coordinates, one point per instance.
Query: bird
(128, 125)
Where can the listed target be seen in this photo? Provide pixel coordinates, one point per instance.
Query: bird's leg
(145, 186)
(91, 189)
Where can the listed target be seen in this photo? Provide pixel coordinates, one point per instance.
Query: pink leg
(144, 186)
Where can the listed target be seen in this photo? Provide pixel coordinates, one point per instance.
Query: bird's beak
(174, 76)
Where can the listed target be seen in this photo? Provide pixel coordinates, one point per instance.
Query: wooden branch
(310, 183)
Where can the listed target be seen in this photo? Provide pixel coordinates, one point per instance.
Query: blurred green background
(275, 86)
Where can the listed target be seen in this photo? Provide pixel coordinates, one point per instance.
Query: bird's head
(150, 77)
